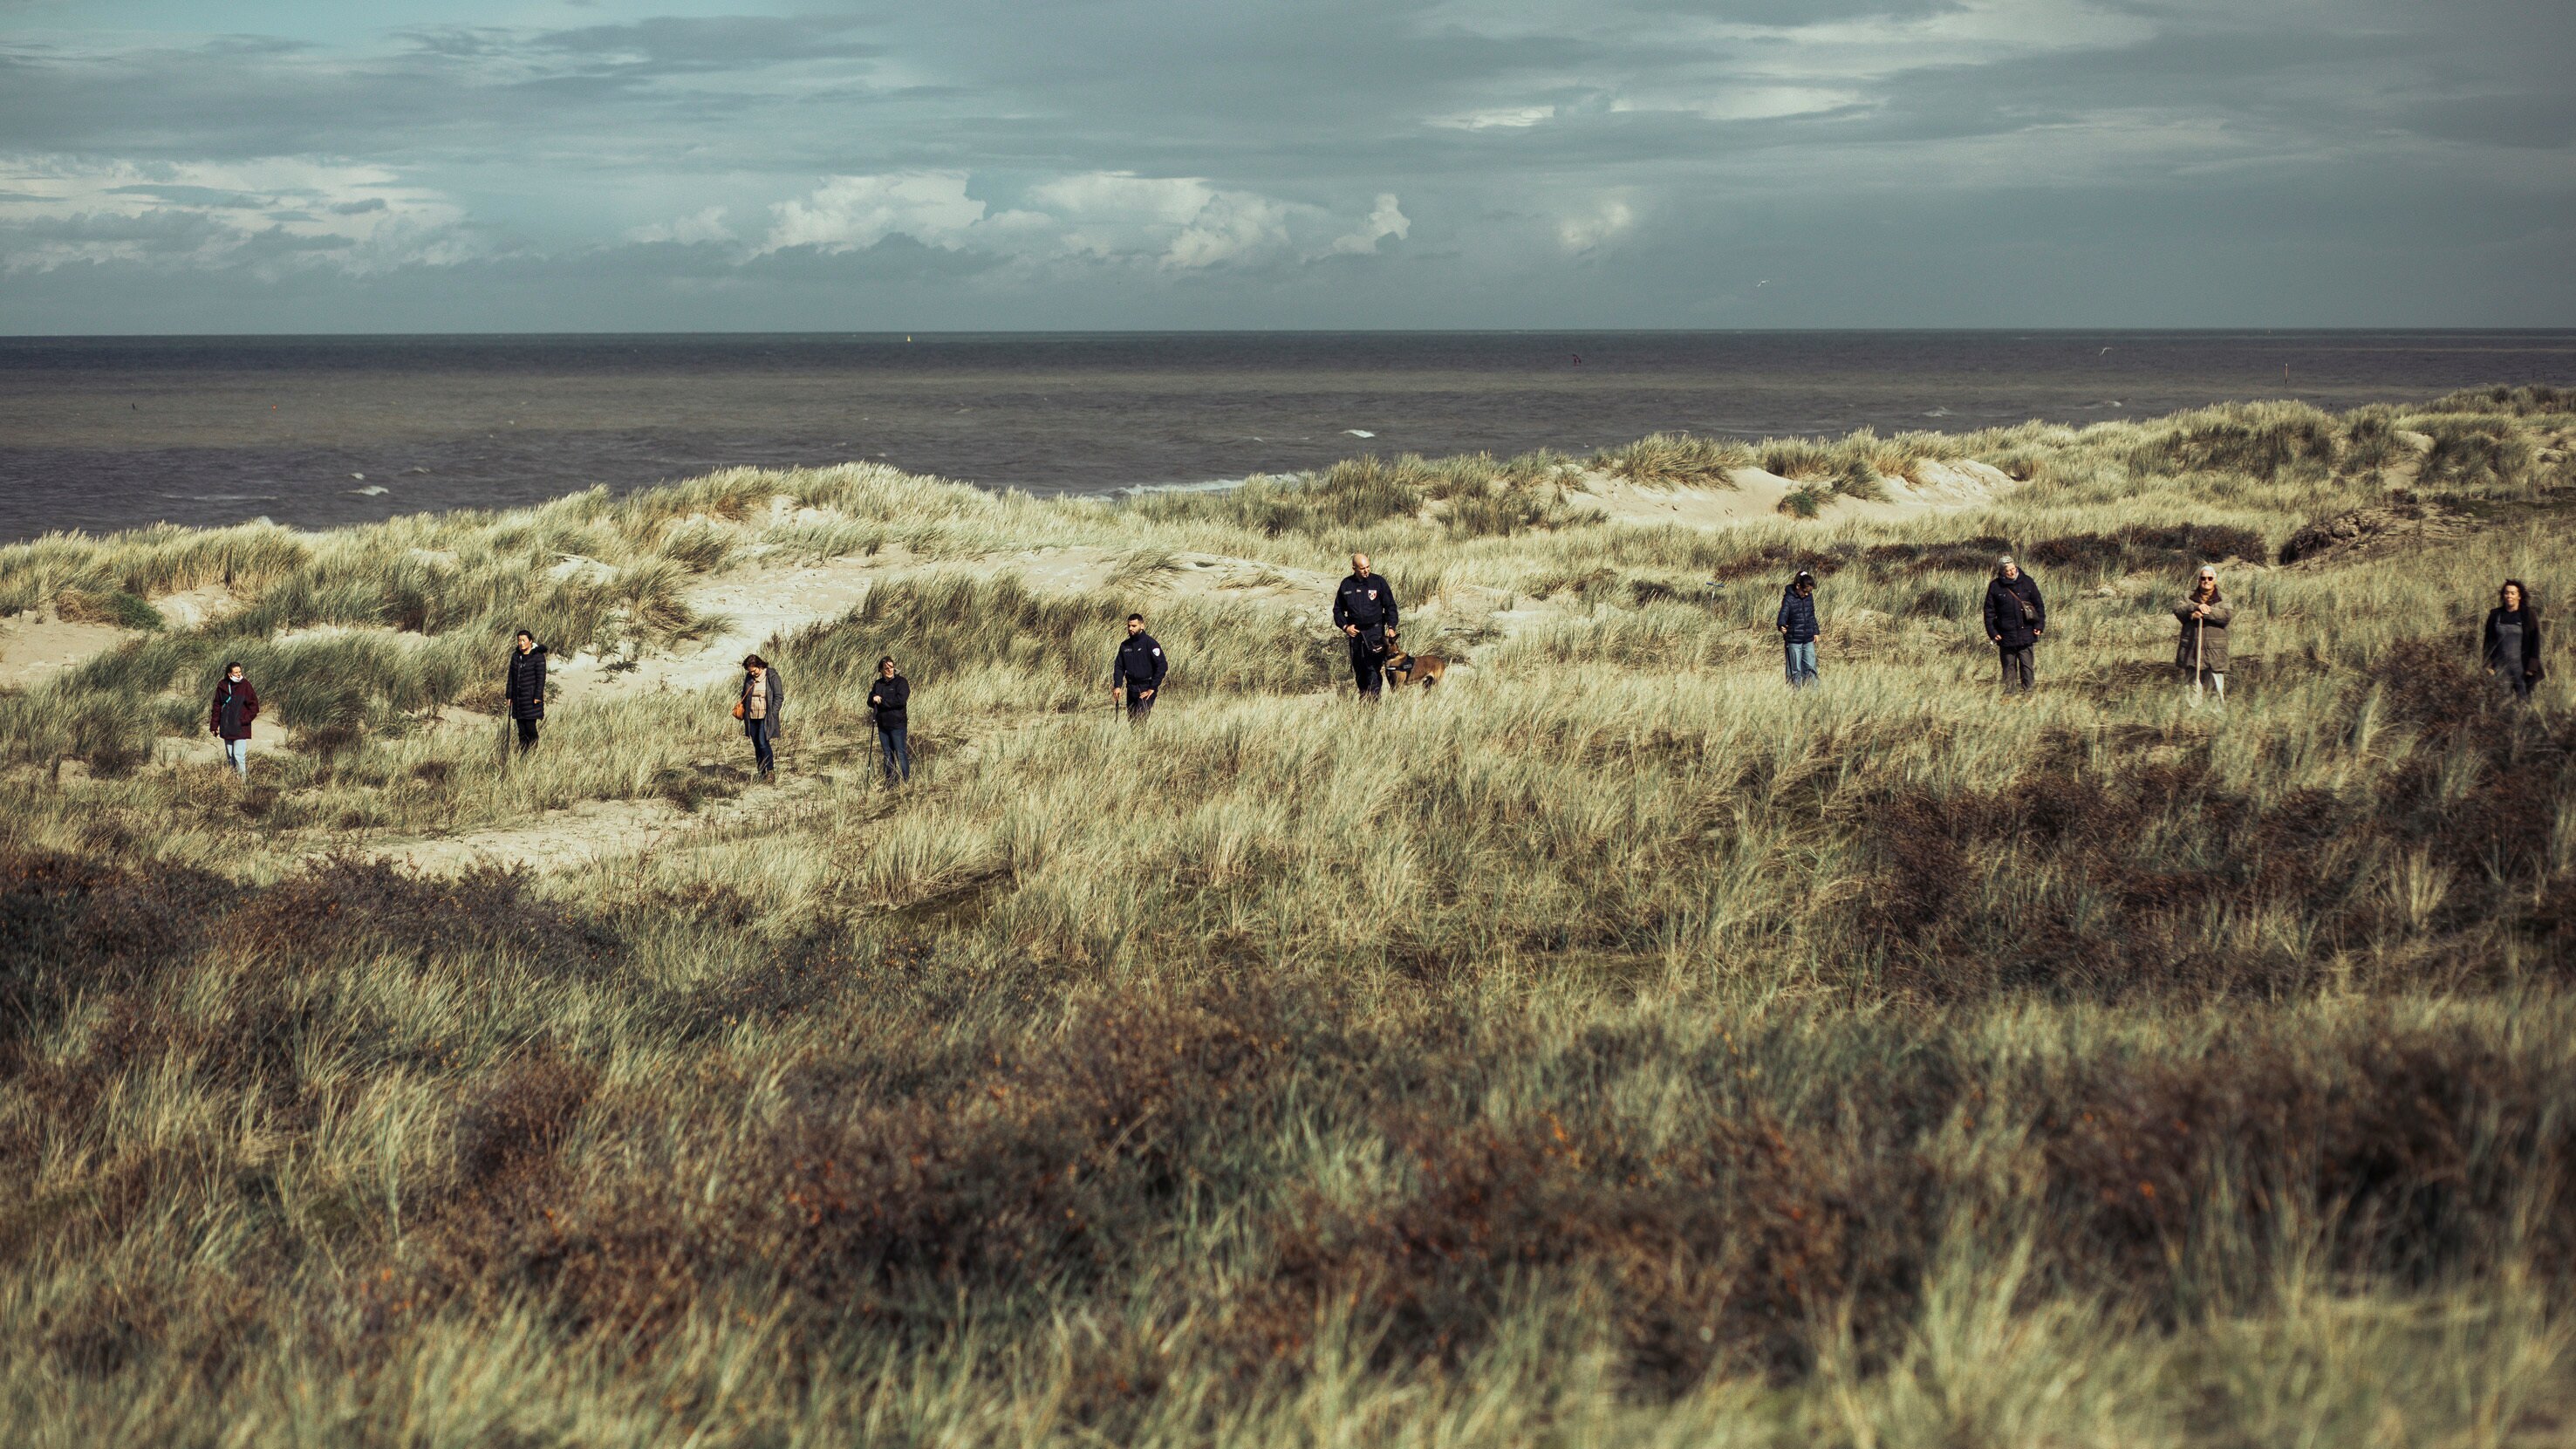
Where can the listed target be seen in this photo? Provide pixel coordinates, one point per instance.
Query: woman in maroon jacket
(228, 718)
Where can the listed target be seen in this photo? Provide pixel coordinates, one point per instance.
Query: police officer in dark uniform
(1364, 609)
(1138, 670)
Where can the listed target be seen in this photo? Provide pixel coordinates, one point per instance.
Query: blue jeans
(1802, 663)
(237, 755)
(760, 732)
(897, 751)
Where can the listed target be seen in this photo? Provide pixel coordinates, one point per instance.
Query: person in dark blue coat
(523, 687)
(1364, 610)
(1136, 675)
(2015, 618)
(889, 696)
(1798, 628)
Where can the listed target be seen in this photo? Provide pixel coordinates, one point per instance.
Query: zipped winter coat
(2004, 620)
(777, 701)
(2208, 635)
(1367, 602)
(888, 698)
(1798, 617)
(1139, 665)
(245, 702)
(524, 681)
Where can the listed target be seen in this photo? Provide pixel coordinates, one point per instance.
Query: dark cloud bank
(1162, 163)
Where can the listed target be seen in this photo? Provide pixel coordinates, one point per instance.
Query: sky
(678, 165)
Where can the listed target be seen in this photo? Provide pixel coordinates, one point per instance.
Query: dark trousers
(527, 735)
(760, 732)
(897, 751)
(1137, 709)
(2019, 666)
(1368, 666)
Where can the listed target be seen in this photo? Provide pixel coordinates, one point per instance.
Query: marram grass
(1610, 1047)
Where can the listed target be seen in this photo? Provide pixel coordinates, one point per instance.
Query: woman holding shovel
(2202, 652)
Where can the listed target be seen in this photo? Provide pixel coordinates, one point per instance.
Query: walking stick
(2199, 633)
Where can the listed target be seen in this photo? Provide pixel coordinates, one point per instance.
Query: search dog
(1403, 669)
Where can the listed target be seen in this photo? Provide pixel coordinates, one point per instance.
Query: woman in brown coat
(2201, 654)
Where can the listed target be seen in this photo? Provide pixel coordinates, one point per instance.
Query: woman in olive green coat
(2201, 654)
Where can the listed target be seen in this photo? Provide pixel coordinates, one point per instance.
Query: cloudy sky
(322, 165)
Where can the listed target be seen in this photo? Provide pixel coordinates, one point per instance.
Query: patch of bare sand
(759, 603)
(1936, 487)
(191, 608)
(203, 749)
(586, 833)
(34, 647)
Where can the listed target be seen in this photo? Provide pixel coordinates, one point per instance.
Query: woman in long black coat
(2510, 645)
(523, 685)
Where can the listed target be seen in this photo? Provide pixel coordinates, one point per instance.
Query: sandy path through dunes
(35, 647)
(1937, 488)
(760, 599)
(591, 831)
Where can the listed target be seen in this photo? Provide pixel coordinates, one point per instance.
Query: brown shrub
(2177, 547)
(2099, 884)
(2406, 1148)
(1729, 1250)
(1973, 555)
(2433, 684)
(348, 906)
(1777, 558)
(1053, 1166)
(71, 926)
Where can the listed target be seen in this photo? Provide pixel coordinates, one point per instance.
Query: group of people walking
(2016, 616)
(1366, 613)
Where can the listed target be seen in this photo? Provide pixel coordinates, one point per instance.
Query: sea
(109, 433)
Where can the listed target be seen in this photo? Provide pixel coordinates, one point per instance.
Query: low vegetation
(1609, 1046)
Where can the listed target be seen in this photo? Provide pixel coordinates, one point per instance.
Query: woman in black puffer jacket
(523, 686)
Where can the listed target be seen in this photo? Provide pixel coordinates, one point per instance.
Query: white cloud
(289, 213)
(1605, 221)
(706, 226)
(1180, 223)
(1185, 223)
(851, 213)
(1387, 220)
(275, 213)
(1502, 117)
(1737, 102)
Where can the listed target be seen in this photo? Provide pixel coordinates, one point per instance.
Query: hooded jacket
(233, 723)
(524, 681)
